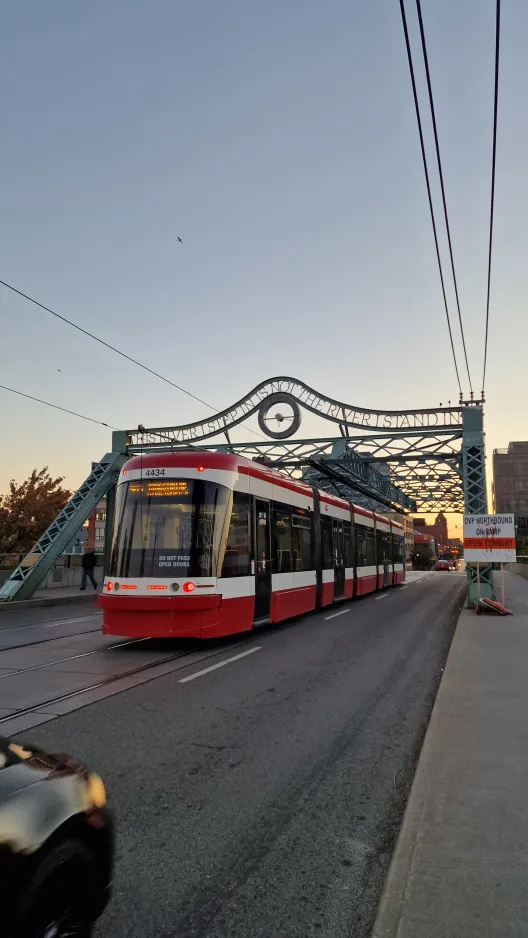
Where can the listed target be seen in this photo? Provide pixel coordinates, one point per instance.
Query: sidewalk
(52, 597)
(460, 865)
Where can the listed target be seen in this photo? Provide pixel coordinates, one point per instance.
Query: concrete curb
(391, 907)
(42, 602)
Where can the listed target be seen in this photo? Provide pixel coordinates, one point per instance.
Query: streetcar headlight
(188, 587)
(175, 587)
(116, 586)
(109, 587)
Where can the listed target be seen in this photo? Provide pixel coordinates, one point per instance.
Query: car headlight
(96, 790)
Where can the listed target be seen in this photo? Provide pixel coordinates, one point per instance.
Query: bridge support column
(475, 493)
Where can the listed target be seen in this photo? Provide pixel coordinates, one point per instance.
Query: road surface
(258, 792)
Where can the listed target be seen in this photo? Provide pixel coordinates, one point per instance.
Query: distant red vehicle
(442, 565)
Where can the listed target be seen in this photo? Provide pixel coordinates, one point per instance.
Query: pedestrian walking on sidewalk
(88, 566)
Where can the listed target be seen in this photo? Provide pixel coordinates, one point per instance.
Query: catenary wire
(441, 175)
(428, 184)
(116, 350)
(492, 203)
(56, 407)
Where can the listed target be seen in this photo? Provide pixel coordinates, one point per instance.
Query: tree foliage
(28, 509)
(422, 557)
(522, 545)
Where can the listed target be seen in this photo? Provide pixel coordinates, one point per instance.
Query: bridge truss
(425, 460)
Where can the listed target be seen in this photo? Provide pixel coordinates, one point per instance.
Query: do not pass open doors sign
(489, 538)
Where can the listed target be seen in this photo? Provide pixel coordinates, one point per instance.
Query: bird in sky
(180, 240)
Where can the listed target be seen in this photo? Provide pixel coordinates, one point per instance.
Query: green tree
(422, 557)
(28, 509)
(522, 545)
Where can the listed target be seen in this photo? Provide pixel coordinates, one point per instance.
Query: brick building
(510, 483)
(438, 530)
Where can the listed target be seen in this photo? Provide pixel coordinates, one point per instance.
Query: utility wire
(56, 407)
(117, 351)
(493, 160)
(427, 182)
(440, 173)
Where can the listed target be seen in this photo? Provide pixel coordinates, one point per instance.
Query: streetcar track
(112, 679)
(45, 624)
(46, 641)
(83, 654)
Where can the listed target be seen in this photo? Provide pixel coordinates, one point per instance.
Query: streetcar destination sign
(489, 538)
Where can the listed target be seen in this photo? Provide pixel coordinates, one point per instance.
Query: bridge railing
(520, 567)
(66, 571)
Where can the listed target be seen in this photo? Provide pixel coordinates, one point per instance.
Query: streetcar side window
(349, 544)
(366, 556)
(397, 555)
(302, 542)
(383, 546)
(379, 548)
(281, 533)
(360, 547)
(327, 557)
(371, 547)
(236, 557)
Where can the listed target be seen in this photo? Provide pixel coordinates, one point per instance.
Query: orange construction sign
(489, 538)
(489, 543)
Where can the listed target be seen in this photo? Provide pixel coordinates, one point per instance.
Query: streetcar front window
(169, 528)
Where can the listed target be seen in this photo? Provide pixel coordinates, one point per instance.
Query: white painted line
(403, 587)
(383, 596)
(333, 616)
(52, 625)
(214, 667)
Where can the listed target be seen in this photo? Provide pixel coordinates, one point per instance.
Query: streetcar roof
(230, 462)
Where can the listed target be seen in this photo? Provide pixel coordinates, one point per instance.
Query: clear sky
(279, 141)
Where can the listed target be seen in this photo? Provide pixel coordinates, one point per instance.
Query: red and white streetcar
(208, 544)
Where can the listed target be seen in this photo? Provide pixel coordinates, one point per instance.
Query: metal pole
(475, 497)
(478, 587)
(503, 600)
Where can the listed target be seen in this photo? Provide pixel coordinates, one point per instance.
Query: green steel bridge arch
(424, 460)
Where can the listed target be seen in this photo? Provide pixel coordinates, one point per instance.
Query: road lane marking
(51, 625)
(383, 596)
(214, 667)
(334, 614)
(403, 587)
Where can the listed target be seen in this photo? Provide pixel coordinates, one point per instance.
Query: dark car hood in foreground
(39, 792)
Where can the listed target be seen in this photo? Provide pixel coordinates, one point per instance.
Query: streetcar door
(387, 562)
(339, 560)
(262, 559)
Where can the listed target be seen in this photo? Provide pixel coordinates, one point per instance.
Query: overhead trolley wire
(492, 202)
(441, 175)
(116, 350)
(56, 407)
(427, 182)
